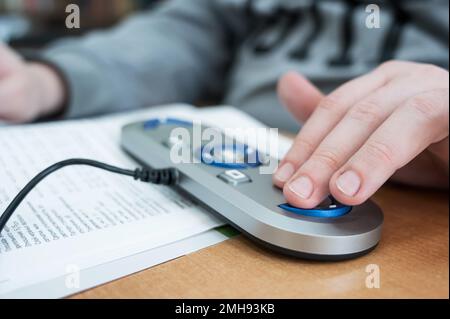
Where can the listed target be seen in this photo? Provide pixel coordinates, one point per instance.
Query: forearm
(176, 53)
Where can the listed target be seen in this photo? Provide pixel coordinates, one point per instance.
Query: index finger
(328, 113)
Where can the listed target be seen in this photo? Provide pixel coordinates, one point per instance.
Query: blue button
(236, 156)
(155, 123)
(330, 211)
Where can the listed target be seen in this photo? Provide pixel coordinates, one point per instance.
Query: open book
(81, 218)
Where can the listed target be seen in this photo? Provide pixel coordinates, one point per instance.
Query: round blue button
(326, 211)
(236, 156)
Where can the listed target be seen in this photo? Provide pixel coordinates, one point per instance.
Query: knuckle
(388, 65)
(426, 107)
(393, 68)
(380, 152)
(328, 158)
(332, 103)
(305, 146)
(302, 146)
(432, 70)
(366, 111)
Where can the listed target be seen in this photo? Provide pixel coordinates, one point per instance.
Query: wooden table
(412, 258)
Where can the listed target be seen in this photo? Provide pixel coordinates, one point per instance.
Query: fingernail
(284, 173)
(349, 183)
(302, 187)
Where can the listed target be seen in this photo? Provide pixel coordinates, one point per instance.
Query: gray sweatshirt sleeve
(177, 52)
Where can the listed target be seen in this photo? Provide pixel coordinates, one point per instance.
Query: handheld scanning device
(237, 192)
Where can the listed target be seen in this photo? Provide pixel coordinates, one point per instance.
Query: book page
(81, 216)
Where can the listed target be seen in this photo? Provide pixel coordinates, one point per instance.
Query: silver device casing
(253, 207)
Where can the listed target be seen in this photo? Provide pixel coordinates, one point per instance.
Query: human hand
(27, 90)
(392, 122)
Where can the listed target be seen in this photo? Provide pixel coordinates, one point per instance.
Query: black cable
(155, 176)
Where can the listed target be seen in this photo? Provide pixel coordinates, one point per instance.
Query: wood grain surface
(412, 258)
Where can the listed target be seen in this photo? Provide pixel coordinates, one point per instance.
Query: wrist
(49, 89)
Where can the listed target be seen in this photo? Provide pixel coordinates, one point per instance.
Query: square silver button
(234, 177)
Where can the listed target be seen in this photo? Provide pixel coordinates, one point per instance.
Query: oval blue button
(154, 123)
(333, 211)
(230, 156)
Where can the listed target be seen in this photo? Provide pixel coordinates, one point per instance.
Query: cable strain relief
(168, 176)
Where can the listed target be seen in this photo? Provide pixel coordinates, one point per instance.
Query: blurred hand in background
(28, 91)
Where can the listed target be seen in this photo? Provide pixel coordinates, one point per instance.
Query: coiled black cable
(167, 176)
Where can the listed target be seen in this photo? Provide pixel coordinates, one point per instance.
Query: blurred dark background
(28, 24)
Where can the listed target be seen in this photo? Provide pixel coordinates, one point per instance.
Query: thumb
(9, 60)
(299, 95)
